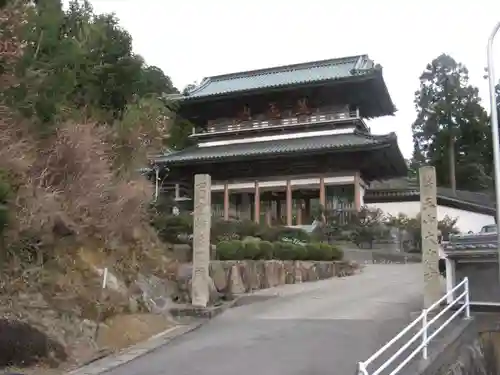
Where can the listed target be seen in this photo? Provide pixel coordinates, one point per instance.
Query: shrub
(314, 251)
(273, 234)
(223, 230)
(251, 250)
(171, 228)
(338, 253)
(266, 250)
(289, 251)
(323, 251)
(229, 250)
(23, 345)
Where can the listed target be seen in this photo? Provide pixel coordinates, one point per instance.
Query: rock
(289, 270)
(281, 273)
(298, 273)
(305, 267)
(183, 253)
(213, 294)
(245, 269)
(236, 285)
(219, 276)
(272, 273)
(184, 272)
(112, 281)
(252, 276)
(156, 292)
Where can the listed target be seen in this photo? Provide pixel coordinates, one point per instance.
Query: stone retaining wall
(232, 278)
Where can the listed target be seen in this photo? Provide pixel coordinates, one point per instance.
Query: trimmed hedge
(259, 250)
(238, 230)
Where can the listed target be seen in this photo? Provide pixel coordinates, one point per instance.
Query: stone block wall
(232, 278)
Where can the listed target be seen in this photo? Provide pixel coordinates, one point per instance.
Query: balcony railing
(292, 121)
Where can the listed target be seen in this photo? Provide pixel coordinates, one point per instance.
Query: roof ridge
(284, 68)
(363, 133)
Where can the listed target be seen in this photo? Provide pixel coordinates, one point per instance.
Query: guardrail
(423, 333)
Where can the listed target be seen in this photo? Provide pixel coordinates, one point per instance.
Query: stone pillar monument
(201, 240)
(429, 221)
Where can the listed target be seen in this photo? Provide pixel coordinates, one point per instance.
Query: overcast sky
(191, 39)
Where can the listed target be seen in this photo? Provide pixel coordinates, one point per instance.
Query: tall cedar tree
(451, 130)
(79, 58)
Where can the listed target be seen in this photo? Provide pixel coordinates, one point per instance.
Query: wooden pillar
(257, 203)
(226, 201)
(299, 212)
(246, 206)
(278, 210)
(289, 218)
(357, 192)
(322, 192)
(307, 210)
(269, 216)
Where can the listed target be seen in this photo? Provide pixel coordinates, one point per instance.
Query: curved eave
(355, 148)
(394, 156)
(385, 105)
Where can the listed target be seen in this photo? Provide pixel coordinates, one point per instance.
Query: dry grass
(77, 205)
(123, 331)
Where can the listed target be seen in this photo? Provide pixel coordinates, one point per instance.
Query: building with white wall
(472, 210)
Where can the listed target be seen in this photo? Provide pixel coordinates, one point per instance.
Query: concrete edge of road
(126, 355)
(109, 362)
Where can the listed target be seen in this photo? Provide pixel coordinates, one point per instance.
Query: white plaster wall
(361, 195)
(467, 221)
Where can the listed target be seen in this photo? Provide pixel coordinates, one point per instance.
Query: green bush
(229, 250)
(274, 234)
(289, 251)
(264, 250)
(172, 228)
(314, 251)
(223, 230)
(323, 251)
(251, 250)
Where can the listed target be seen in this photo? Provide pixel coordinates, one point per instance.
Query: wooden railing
(317, 118)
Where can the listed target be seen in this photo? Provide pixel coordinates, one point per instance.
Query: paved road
(312, 329)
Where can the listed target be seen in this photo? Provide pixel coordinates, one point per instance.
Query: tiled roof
(316, 71)
(472, 242)
(388, 189)
(283, 146)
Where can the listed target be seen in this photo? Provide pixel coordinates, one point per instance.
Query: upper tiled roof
(282, 146)
(316, 71)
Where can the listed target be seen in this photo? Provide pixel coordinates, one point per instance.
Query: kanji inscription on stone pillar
(201, 240)
(429, 223)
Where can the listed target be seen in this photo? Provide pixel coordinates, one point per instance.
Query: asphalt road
(317, 328)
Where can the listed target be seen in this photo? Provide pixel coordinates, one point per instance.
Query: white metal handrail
(423, 333)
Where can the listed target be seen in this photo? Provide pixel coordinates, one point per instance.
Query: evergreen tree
(81, 59)
(451, 131)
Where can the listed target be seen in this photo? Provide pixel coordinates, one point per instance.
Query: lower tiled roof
(462, 198)
(355, 140)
